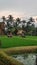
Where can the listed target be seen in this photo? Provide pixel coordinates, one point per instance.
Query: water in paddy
(26, 59)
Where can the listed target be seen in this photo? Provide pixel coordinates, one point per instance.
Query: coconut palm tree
(30, 25)
(23, 24)
(10, 18)
(10, 21)
(18, 20)
(4, 19)
(31, 19)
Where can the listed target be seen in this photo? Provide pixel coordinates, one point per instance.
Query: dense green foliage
(12, 26)
(17, 41)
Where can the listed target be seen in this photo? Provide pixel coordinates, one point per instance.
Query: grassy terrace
(17, 41)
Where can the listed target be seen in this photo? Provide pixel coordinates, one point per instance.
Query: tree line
(14, 26)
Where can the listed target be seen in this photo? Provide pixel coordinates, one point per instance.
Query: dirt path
(8, 60)
(22, 49)
(11, 61)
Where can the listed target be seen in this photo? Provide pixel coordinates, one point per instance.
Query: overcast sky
(18, 8)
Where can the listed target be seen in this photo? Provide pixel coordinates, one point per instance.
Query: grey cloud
(28, 6)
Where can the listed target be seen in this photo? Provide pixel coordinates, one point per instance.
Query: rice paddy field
(17, 45)
(17, 41)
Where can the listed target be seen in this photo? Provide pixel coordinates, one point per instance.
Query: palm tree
(5, 24)
(10, 21)
(18, 20)
(24, 21)
(31, 19)
(10, 18)
(16, 25)
(4, 19)
(30, 25)
(23, 25)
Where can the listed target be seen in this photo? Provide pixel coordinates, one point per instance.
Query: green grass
(17, 41)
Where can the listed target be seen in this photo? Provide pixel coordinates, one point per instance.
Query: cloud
(15, 14)
(18, 8)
